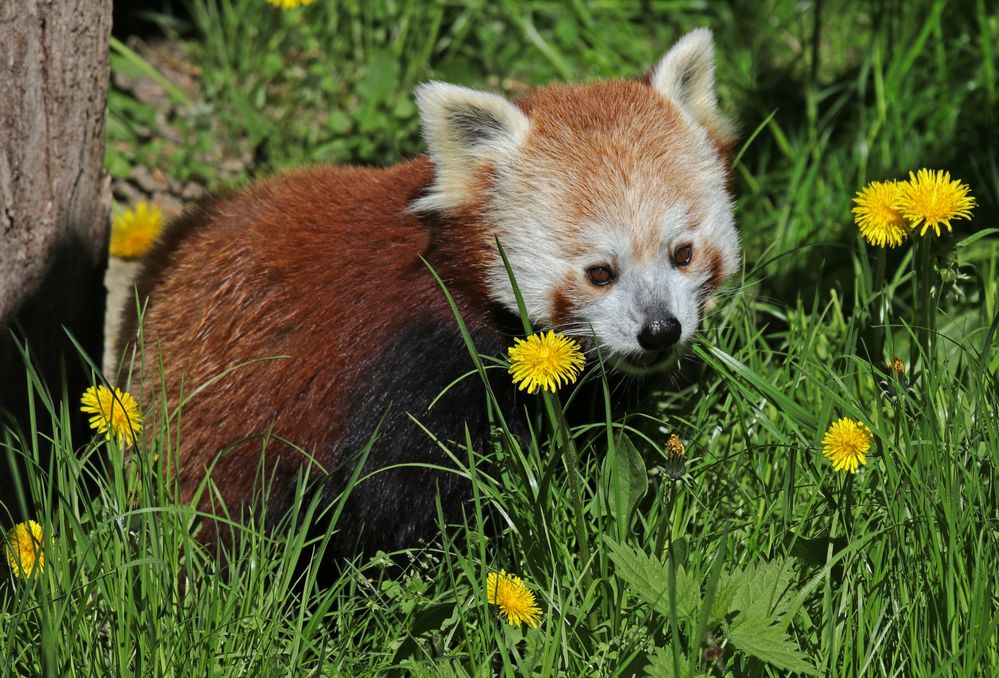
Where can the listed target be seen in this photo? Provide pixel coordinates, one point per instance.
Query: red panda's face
(609, 199)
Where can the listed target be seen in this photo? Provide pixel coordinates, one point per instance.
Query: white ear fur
(686, 75)
(464, 128)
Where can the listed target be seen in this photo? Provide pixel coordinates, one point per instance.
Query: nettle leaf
(758, 596)
(649, 579)
(762, 590)
(629, 481)
(728, 585)
(768, 642)
(661, 664)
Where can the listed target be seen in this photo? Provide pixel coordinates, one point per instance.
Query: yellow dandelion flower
(899, 367)
(116, 414)
(878, 216)
(133, 232)
(846, 443)
(24, 549)
(545, 361)
(931, 198)
(676, 452)
(289, 4)
(516, 602)
(675, 447)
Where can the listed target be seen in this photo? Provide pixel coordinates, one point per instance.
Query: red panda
(609, 199)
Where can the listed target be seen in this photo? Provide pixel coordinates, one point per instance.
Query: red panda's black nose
(660, 334)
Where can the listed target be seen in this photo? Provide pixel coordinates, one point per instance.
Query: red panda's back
(286, 295)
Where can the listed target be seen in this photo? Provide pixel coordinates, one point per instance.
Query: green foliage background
(762, 560)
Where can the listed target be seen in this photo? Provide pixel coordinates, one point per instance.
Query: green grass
(762, 560)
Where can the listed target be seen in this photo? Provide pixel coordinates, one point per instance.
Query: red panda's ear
(464, 129)
(686, 76)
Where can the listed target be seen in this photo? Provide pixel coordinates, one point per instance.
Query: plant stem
(848, 505)
(664, 524)
(881, 309)
(925, 301)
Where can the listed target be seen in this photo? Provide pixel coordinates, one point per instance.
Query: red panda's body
(316, 275)
(301, 309)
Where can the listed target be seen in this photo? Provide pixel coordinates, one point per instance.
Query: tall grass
(760, 560)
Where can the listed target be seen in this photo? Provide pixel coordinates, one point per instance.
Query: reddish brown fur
(562, 305)
(267, 273)
(711, 259)
(721, 138)
(466, 233)
(573, 126)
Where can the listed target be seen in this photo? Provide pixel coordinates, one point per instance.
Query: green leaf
(649, 579)
(566, 31)
(339, 122)
(727, 588)
(760, 593)
(381, 77)
(976, 236)
(766, 641)
(661, 664)
(404, 108)
(116, 164)
(817, 550)
(629, 481)
(762, 590)
(458, 68)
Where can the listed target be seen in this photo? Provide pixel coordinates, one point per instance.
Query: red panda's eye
(683, 255)
(600, 275)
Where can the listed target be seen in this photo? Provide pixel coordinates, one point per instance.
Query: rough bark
(54, 197)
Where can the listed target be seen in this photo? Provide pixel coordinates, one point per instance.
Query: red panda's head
(609, 199)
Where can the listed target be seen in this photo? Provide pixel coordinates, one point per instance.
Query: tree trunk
(54, 199)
